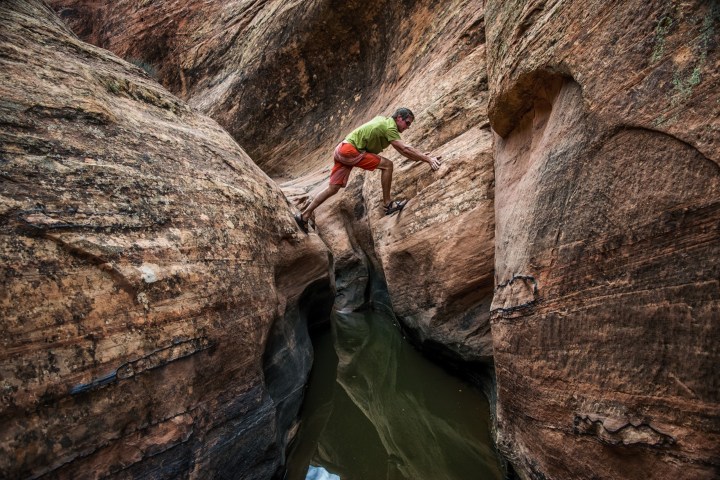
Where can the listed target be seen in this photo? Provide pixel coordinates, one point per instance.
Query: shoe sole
(303, 225)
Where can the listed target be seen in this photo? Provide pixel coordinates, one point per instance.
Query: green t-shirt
(375, 135)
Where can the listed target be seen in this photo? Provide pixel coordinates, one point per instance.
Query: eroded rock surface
(436, 256)
(262, 69)
(606, 314)
(148, 270)
(605, 306)
(289, 79)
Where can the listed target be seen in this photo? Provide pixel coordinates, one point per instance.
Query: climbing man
(361, 149)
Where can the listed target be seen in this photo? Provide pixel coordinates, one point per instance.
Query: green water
(376, 409)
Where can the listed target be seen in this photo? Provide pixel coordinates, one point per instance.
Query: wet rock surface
(145, 261)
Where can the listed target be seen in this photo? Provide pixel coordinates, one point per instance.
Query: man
(361, 149)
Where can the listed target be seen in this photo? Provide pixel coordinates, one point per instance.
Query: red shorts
(341, 172)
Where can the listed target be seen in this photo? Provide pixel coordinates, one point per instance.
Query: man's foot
(303, 224)
(394, 206)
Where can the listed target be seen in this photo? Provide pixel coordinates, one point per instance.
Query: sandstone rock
(262, 69)
(605, 307)
(154, 281)
(436, 256)
(289, 80)
(605, 315)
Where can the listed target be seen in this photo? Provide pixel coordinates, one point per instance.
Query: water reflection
(376, 409)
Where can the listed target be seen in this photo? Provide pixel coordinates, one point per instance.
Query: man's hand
(435, 162)
(416, 155)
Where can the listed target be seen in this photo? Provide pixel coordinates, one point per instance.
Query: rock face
(606, 314)
(436, 257)
(290, 79)
(263, 68)
(155, 287)
(597, 257)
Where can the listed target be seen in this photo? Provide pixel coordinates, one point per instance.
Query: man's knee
(385, 164)
(333, 189)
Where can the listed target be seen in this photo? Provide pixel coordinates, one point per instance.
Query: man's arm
(413, 153)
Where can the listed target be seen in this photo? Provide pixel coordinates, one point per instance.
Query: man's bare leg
(386, 178)
(317, 201)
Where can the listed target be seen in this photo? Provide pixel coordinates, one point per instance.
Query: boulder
(154, 280)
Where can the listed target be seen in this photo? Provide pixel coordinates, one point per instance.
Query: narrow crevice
(288, 355)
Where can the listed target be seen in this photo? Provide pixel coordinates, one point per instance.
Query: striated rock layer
(606, 315)
(437, 254)
(262, 69)
(155, 287)
(290, 79)
(604, 233)
(436, 257)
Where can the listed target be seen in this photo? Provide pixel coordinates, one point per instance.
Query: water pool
(375, 408)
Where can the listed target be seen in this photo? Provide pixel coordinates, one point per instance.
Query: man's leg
(386, 178)
(317, 201)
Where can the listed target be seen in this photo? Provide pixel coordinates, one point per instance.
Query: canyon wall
(156, 290)
(584, 225)
(290, 79)
(606, 314)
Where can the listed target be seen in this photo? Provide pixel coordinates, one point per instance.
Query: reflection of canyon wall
(606, 315)
(422, 433)
(146, 261)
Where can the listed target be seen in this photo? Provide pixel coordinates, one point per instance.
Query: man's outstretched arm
(413, 153)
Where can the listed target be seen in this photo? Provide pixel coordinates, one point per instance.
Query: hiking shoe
(303, 224)
(394, 206)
